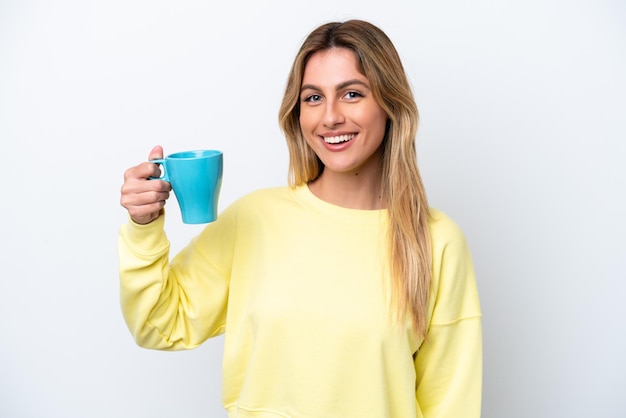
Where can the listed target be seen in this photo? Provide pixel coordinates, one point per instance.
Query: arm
(449, 370)
(168, 307)
(448, 365)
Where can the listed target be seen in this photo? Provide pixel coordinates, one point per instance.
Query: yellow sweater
(301, 290)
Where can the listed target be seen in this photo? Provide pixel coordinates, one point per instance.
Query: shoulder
(450, 249)
(444, 231)
(260, 202)
(455, 292)
(270, 195)
(251, 209)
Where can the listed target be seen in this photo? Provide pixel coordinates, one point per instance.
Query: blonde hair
(409, 238)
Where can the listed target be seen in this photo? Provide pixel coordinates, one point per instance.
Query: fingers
(144, 198)
(143, 205)
(144, 192)
(142, 171)
(156, 153)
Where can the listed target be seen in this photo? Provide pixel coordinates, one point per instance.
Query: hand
(144, 198)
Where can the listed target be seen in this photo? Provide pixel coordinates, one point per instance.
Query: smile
(337, 139)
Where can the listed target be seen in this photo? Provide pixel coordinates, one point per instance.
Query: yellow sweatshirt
(300, 288)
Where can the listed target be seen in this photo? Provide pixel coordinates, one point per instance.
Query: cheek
(305, 122)
(307, 128)
(376, 119)
(308, 123)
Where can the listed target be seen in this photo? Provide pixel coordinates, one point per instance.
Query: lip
(337, 139)
(338, 146)
(337, 134)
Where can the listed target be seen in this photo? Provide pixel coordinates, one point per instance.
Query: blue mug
(196, 178)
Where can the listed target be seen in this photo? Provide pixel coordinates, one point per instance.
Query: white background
(521, 141)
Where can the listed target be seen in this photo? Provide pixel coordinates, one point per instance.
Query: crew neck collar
(308, 199)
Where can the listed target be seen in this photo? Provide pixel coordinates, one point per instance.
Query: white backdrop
(522, 141)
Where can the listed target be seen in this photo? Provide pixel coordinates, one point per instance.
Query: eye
(314, 98)
(352, 95)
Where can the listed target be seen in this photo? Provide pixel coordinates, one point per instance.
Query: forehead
(332, 66)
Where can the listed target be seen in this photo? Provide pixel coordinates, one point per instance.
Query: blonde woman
(340, 295)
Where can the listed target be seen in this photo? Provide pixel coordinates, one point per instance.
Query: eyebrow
(339, 86)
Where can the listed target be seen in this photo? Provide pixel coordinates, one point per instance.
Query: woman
(342, 295)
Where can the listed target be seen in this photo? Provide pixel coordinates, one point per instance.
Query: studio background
(521, 141)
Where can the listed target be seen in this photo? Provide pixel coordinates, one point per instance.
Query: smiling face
(339, 117)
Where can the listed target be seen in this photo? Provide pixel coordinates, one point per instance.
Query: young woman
(342, 295)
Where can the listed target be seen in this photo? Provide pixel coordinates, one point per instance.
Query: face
(339, 117)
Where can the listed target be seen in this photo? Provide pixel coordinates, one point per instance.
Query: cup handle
(164, 176)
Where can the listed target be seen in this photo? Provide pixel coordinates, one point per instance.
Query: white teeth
(337, 139)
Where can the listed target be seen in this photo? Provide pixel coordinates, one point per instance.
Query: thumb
(156, 153)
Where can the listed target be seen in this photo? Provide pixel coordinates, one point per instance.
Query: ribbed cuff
(148, 238)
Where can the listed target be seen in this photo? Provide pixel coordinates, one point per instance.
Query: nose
(333, 115)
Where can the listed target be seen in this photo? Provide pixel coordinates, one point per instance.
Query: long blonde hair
(409, 238)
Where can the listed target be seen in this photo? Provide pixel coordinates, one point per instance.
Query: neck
(349, 190)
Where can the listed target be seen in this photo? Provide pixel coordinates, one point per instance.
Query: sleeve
(448, 364)
(177, 305)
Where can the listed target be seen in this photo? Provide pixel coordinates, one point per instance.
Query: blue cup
(196, 178)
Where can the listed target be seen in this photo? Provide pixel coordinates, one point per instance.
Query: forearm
(170, 306)
(449, 370)
(143, 252)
